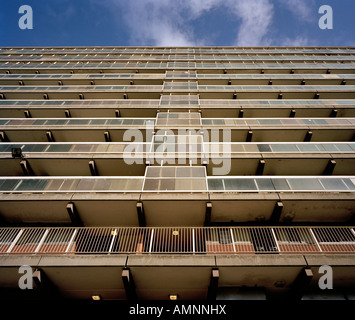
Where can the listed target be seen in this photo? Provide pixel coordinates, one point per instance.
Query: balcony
(178, 196)
(130, 159)
(158, 79)
(248, 129)
(81, 262)
(205, 91)
(177, 240)
(201, 50)
(309, 67)
(210, 108)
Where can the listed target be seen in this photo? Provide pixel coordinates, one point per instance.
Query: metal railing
(177, 240)
(166, 183)
(194, 144)
(116, 103)
(151, 123)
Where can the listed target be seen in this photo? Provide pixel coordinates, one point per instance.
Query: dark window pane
(280, 184)
(264, 184)
(264, 148)
(59, 148)
(240, 184)
(215, 184)
(32, 184)
(7, 185)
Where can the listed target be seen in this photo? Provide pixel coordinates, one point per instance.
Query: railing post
(151, 241)
(112, 241)
(193, 241)
(232, 237)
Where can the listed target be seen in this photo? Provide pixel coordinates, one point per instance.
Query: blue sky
(177, 23)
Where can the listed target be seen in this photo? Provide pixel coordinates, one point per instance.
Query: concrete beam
(67, 113)
(308, 136)
(3, 137)
(260, 168)
(93, 168)
(141, 215)
(208, 214)
(328, 171)
(249, 136)
(74, 215)
(275, 216)
(212, 289)
(301, 283)
(128, 284)
(107, 136)
(334, 113)
(26, 168)
(27, 114)
(49, 136)
(46, 288)
(292, 113)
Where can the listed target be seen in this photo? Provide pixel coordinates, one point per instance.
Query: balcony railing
(178, 87)
(172, 57)
(177, 240)
(193, 144)
(185, 181)
(176, 74)
(173, 65)
(207, 122)
(150, 50)
(172, 100)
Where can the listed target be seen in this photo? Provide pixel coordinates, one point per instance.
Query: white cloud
(299, 41)
(256, 18)
(301, 9)
(170, 22)
(159, 22)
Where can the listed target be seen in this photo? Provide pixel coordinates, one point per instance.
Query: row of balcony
(172, 58)
(158, 79)
(189, 100)
(164, 144)
(156, 92)
(176, 119)
(178, 183)
(162, 50)
(174, 74)
(315, 66)
(177, 240)
(183, 86)
(230, 130)
(148, 108)
(130, 159)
